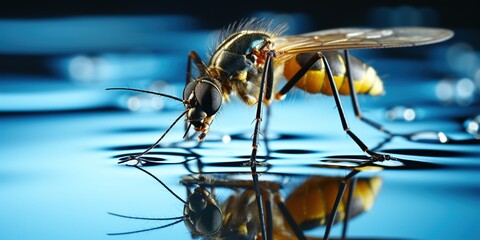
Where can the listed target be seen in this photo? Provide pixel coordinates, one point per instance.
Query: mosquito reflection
(292, 203)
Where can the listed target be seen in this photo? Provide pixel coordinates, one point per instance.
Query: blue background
(61, 132)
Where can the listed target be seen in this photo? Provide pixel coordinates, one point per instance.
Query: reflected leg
(353, 183)
(338, 199)
(291, 222)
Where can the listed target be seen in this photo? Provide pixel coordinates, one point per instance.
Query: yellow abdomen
(365, 78)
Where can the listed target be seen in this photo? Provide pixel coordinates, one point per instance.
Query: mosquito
(250, 58)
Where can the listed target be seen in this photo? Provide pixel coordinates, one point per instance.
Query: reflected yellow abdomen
(311, 203)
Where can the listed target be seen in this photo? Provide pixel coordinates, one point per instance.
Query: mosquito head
(202, 98)
(203, 217)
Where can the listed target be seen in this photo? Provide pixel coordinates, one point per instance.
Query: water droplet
(442, 137)
(444, 91)
(465, 88)
(472, 126)
(226, 138)
(133, 103)
(401, 113)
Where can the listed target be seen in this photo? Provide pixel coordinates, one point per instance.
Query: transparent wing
(358, 38)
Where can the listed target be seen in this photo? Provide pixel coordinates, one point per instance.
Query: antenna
(146, 91)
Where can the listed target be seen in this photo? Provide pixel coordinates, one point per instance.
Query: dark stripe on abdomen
(366, 80)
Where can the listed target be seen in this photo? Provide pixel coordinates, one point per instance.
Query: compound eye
(208, 97)
(187, 91)
(252, 57)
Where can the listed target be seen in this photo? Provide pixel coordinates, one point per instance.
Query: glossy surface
(59, 177)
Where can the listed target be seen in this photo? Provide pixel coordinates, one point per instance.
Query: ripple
(430, 152)
(295, 151)
(272, 136)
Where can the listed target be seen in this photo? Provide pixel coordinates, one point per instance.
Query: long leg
(375, 156)
(265, 131)
(268, 97)
(267, 77)
(353, 95)
(201, 65)
(346, 128)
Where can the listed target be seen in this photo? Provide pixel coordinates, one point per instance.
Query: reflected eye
(197, 203)
(208, 97)
(187, 91)
(210, 220)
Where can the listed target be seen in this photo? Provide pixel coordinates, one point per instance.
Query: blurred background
(61, 132)
(72, 50)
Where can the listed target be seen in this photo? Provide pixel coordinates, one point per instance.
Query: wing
(359, 38)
